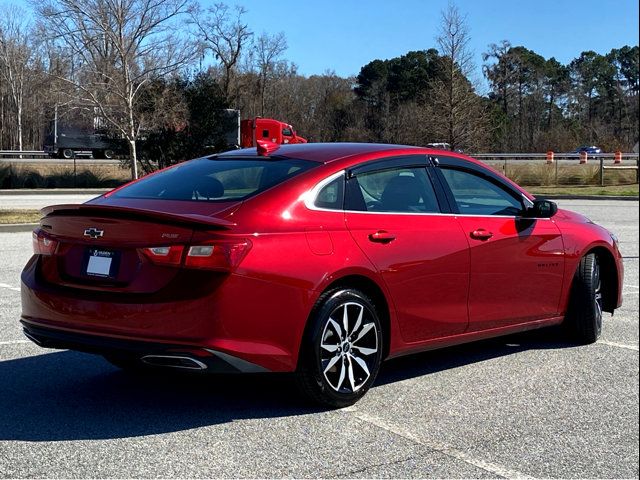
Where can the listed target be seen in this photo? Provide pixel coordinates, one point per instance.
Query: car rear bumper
(152, 353)
(237, 316)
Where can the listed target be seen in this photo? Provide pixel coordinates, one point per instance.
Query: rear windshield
(215, 180)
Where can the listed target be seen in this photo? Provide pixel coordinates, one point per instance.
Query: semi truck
(70, 142)
(78, 130)
(78, 137)
(275, 131)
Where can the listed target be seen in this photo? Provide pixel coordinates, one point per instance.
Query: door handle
(382, 236)
(481, 234)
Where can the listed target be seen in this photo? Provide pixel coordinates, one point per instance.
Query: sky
(342, 36)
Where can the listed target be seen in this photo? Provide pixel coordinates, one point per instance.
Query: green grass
(47, 176)
(19, 216)
(614, 190)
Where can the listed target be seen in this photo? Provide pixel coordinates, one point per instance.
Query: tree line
(159, 74)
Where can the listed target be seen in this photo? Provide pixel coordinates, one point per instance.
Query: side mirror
(542, 209)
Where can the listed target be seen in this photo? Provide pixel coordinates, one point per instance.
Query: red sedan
(320, 259)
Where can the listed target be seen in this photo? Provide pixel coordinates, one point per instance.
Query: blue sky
(345, 35)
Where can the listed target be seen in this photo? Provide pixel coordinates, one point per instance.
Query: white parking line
(492, 468)
(9, 287)
(619, 345)
(625, 290)
(15, 342)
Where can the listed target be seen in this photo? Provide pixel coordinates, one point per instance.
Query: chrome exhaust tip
(174, 361)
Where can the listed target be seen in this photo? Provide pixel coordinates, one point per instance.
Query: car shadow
(417, 365)
(67, 395)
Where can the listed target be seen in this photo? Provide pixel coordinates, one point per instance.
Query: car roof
(323, 152)
(331, 152)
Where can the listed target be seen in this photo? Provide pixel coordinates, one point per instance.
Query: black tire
(339, 373)
(583, 322)
(66, 153)
(109, 154)
(125, 361)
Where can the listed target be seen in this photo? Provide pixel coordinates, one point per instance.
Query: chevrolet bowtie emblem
(93, 232)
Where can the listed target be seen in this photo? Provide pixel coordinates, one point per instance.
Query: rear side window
(402, 190)
(331, 195)
(215, 180)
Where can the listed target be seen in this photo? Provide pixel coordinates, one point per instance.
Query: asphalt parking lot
(524, 406)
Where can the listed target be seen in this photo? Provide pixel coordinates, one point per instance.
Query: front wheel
(584, 316)
(341, 354)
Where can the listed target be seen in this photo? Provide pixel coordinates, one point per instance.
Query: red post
(618, 157)
(583, 157)
(549, 157)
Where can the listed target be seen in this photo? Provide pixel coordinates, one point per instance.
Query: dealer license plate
(101, 263)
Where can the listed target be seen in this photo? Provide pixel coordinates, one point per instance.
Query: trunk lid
(103, 247)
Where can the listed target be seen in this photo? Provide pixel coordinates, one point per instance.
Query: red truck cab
(253, 129)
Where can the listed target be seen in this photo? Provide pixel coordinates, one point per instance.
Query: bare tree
(118, 46)
(459, 116)
(222, 31)
(17, 53)
(268, 50)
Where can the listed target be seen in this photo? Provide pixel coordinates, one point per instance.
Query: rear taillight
(43, 244)
(170, 255)
(223, 255)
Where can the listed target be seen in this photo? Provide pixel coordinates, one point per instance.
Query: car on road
(318, 259)
(588, 149)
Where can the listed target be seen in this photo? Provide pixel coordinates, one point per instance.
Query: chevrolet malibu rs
(318, 259)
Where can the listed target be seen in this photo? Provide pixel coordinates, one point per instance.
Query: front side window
(215, 179)
(476, 195)
(402, 190)
(287, 132)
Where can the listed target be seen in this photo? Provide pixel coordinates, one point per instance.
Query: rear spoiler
(190, 219)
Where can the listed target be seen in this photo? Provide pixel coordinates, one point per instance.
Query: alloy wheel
(348, 347)
(597, 297)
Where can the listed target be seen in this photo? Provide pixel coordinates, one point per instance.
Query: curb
(630, 198)
(17, 227)
(55, 191)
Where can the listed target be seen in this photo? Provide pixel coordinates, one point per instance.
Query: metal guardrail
(561, 156)
(479, 156)
(33, 162)
(524, 168)
(539, 169)
(23, 154)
